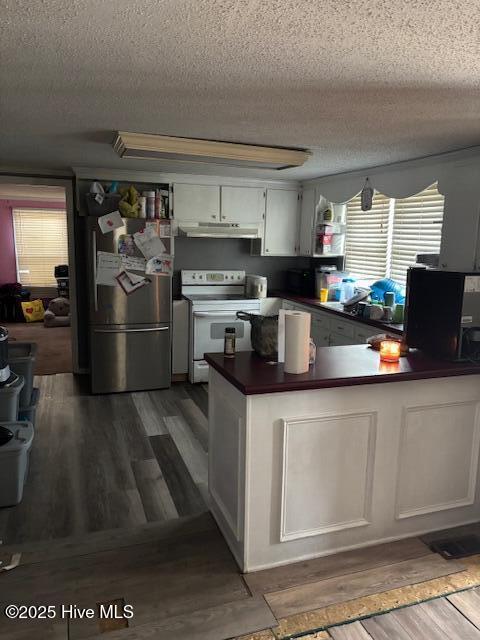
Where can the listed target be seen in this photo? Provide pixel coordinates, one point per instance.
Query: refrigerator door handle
(95, 287)
(131, 330)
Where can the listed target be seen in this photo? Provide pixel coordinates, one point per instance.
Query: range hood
(219, 230)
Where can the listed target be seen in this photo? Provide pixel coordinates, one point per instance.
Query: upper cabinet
(242, 205)
(196, 202)
(212, 203)
(307, 222)
(281, 223)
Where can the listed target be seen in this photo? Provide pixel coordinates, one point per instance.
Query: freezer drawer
(130, 358)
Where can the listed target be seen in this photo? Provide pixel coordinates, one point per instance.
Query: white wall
(458, 176)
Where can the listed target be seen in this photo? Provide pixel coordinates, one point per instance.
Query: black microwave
(301, 282)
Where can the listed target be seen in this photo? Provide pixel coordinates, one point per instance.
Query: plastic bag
(33, 311)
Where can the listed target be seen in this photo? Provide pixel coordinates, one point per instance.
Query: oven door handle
(214, 314)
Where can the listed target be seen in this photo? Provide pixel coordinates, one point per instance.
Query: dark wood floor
(115, 510)
(113, 461)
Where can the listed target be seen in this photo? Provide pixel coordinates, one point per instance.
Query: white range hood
(218, 230)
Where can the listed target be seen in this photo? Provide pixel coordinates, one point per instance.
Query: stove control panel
(212, 277)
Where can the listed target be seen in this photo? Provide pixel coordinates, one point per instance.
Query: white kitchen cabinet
(337, 339)
(180, 328)
(281, 223)
(242, 205)
(319, 334)
(307, 222)
(362, 334)
(196, 202)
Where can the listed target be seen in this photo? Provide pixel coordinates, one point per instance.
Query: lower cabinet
(319, 333)
(331, 330)
(338, 339)
(180, 337)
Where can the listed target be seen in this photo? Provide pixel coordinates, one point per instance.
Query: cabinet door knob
(214, 217)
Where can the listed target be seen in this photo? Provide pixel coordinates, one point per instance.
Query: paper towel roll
(297, 341)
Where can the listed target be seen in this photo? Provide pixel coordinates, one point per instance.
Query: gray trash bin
(9, 397)
(21, 358)
(28, 413)
(15, 444)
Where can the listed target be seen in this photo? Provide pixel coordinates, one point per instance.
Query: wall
(230, 253)
(458, 177)
(8, 265)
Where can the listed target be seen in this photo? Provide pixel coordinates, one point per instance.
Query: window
(40, 244)
(385, 240)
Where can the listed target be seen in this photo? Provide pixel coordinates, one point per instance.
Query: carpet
(54, 350)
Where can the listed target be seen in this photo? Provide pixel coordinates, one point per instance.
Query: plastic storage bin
(15, 444)
(21, 358)
(9, 396)
(27, 414)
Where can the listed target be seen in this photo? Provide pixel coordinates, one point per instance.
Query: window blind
(41, 244)
(417, 228)
(366, 238)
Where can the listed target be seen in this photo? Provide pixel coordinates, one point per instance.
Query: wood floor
(115, 511)
(456, 617)
(113, 461)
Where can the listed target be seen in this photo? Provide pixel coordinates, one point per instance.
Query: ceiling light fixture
(156, 147)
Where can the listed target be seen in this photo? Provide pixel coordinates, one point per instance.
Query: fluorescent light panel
(156, 147)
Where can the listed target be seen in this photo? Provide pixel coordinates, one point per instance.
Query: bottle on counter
(229, 342)
(347, 289)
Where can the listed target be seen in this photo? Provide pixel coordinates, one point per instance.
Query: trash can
(9, 400)
(27, 414)
(15, 444)
(21, 358)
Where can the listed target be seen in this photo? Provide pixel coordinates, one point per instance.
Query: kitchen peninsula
(352, 453)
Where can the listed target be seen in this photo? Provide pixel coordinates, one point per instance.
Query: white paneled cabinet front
(242, 205)
(196, 202)
(301, 474)
(281, 223)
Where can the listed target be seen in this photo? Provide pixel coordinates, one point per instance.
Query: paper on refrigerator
(160, 265)
(110, 221)
(148, 242)
(130, 281)
(133, 263)
(108, 266)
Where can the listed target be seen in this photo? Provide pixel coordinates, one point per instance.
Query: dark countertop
(336, 309)
(335, 367)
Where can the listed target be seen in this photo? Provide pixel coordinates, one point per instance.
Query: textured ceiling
(359, 82)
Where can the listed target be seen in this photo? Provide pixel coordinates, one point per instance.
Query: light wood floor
(112, 461)
(456, 617)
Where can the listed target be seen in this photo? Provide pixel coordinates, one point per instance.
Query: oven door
(209, 332)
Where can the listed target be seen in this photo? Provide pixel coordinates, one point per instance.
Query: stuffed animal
(129, 205)
(58, 313)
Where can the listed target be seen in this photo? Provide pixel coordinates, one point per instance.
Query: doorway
(37, 290)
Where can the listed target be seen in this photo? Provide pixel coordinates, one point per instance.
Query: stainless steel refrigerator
(130, 335)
